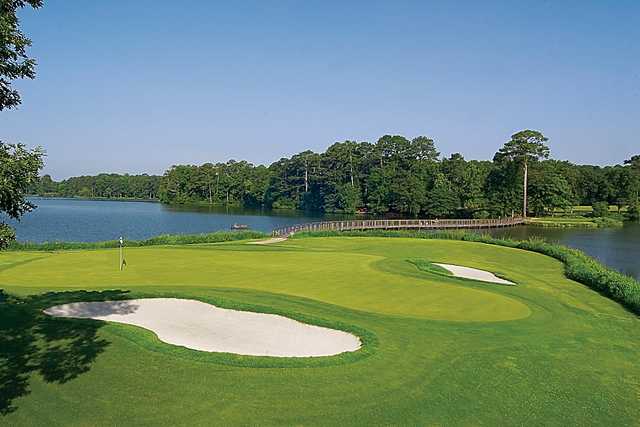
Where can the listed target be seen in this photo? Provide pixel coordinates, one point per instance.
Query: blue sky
(135, 86)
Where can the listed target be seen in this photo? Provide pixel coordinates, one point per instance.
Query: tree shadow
(31, 342)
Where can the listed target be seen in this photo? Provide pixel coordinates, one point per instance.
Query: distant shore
(97, 199)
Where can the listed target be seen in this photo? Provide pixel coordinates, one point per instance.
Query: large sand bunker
(474, 273)
(200, 326)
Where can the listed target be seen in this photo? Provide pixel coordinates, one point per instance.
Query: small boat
(239, 227)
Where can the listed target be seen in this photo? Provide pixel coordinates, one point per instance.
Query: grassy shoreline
(165, 239)
(573, 222)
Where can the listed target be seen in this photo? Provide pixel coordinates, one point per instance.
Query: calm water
(91, 220)
(616, 247)
(86, 220)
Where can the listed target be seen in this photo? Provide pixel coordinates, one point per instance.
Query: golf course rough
(448, 351)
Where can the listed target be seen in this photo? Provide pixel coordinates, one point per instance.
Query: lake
(90, 220)
(58, 219)
(616, 247)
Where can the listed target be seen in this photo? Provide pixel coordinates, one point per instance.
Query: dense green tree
(631, 188)
(549, 191)
(14, 61)
(467, 180)
(342, 163)
(618, 182)
(423, 149)
(634, 162)
(100, 186)
(442, 201)
(19, 168)
(402, 175)
(398, 176)
(524, 147)
(600, 209)
(634, 211)
(502, 189)
(282, 191)
(590, 185)
(237, 183)
(208, 176)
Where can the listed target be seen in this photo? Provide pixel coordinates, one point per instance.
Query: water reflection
(616, 247)
(95, 220)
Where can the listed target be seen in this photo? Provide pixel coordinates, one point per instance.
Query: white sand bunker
(200, 326)
(268, 241)
(474, 273)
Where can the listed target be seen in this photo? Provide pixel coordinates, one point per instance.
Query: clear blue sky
(135, 86)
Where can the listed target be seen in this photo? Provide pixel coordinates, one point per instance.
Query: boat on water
(239, 227)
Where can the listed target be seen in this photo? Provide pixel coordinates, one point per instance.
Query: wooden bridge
(398, 224)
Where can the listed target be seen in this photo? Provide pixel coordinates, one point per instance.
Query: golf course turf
(436, 349)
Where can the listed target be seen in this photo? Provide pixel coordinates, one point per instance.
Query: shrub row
(578, 266)
(167, 239)
(608, 222)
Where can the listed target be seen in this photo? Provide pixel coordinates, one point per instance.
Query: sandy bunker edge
(474, 274)
(206, 327)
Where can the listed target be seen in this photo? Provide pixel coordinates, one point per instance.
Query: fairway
(437, 349)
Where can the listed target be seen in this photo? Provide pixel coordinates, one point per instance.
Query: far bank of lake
(95, 220)
(84, 220)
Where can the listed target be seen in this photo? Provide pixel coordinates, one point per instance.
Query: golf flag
(123, 262)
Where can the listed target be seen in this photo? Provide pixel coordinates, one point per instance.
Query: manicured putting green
(438, 350)
(353, 280)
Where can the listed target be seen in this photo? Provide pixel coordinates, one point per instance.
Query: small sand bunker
(474, 273)
(268, 241)
(200, 326)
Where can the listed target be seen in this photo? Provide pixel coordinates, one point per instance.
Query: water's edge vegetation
(576, 221)
(165, 239)
(578, 265)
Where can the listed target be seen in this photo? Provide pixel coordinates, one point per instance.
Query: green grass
(589, 209)
(429, 267)
(165, 239)
(438, 350)
(578, 221)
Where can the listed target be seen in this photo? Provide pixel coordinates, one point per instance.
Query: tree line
(408, 177)
(394, 175)
(109, 186)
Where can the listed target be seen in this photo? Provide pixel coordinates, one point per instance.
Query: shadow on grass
(32, 342)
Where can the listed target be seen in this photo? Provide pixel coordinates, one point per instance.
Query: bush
(600, 209)
(167, 239)
(634, 211)
(577, 265)
(7, 235)
(608, 222)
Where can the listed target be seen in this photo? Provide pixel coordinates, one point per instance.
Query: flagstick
(120, 253)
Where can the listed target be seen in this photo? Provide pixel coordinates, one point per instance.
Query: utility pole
(209, 185)
(306, 174)
(217, 183)
(524, 200)
(351, 166)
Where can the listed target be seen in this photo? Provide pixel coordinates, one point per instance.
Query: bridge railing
(391, 224)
